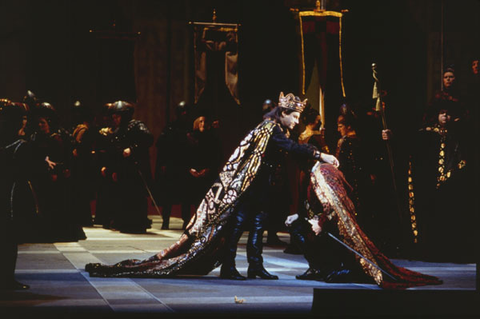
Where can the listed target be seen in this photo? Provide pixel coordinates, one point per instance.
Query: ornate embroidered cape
(199, 250)
(329, 187)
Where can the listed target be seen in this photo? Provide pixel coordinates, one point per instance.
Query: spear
(379, 107)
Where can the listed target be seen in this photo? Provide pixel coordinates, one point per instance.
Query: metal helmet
(81, 113)
(30, 99)
(47, 111)
(122, 107)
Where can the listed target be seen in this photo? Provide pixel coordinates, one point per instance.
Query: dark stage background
(47, 47)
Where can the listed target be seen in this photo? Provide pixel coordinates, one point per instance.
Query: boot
(230, 272)
(255, 271)
(310, 274)
(254, 250)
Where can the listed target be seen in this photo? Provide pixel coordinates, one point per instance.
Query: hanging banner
(219, 38)
(320, 56)
(321, 41)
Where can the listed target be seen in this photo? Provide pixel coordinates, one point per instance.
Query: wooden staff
(379, 107)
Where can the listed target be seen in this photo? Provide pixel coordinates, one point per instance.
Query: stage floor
(60, 285)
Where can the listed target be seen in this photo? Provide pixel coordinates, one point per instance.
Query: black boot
(254, 249)
(255, 271)
(340, 276)
(311, 274)
(230, 272)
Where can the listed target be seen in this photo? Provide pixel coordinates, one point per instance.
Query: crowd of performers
(52, 175)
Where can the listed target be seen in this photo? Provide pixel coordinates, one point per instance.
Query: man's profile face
(290, 120)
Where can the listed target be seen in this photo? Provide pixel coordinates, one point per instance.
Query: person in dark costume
(130, 163)
(256, 203)
(437, 187)
(356, 165)
(105, 204)
(15, 165)
(449, 98)
(52, 147)
(82, 164)
(171, 168)
(202, 163)
(233, 202)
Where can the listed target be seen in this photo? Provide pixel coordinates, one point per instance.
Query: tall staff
(379, 107)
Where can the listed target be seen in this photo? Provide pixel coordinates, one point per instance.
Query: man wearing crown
(253, 205)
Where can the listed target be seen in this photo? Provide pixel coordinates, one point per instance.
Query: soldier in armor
(130, 164)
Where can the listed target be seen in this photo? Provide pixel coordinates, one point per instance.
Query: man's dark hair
(276, 113)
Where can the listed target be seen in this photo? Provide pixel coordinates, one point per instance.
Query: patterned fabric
(328, 184)
(199, 250)
(437, 157)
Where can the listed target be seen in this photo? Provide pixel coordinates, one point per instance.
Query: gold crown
(291, 102)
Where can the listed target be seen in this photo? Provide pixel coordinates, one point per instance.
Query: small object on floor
(239, 300)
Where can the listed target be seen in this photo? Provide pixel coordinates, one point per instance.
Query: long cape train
(329, 187)
(199, 249)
